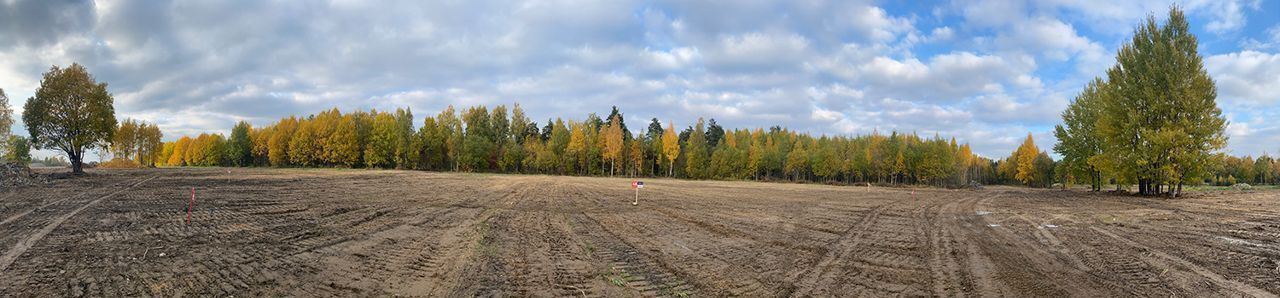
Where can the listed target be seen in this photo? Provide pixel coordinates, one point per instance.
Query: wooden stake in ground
(637, 185)
(190, 204)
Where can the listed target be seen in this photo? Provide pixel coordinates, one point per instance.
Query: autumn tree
(261, 139)
(166, 152)
(1026, 157)
(124, 140)
(576, 149)
(670, 148)
(180, 148)
(70, 112)
(637, 157)
(1161, 124)
(343, 147)
(149, 144)
(797, 163)
(304, 146)
(384, 140)
(278, 146)
(613, 145)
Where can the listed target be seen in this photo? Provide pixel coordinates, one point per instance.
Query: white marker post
(637, 185)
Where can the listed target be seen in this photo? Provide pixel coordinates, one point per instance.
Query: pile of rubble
(16, 174)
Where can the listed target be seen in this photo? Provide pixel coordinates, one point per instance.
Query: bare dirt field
(267, 232)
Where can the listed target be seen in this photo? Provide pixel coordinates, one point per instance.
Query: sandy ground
(267, 232)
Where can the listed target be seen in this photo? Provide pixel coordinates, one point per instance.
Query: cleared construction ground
(267, 232)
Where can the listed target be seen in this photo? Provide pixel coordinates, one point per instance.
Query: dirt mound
(17, 174)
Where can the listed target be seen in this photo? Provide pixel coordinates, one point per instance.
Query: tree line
(502, 140)
(1229, 170)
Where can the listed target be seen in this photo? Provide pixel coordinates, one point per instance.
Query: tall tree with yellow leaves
(613, 146)
(1026, 156)
(180, 147)
(278, 145)
(670, 148)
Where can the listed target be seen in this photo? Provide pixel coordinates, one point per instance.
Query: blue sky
(986, 72)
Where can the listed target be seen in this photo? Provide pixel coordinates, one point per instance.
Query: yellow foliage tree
(576, 150)
(1026, 153)
(613, 145)
(180, 148)
(670, 147)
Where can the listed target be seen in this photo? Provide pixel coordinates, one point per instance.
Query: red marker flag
(191, 204)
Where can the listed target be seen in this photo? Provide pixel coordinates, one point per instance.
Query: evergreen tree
(715, 134)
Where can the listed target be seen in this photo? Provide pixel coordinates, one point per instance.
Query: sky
(985, 72)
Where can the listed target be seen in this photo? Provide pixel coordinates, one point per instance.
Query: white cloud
(950, 76)
(875, 23)
(1246, 77)
(1051, 38)
(758, 51)
(943, 33)
(819, 66)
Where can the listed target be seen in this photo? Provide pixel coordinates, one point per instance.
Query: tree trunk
(77, 165)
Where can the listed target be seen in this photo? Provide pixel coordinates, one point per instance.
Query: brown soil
(264, 232)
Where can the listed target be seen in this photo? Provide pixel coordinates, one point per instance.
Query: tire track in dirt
(1168, 261)
(23, 245)
(846, 244)
(632, 267)
(46, 205)
(1007, 263)
(949, 277)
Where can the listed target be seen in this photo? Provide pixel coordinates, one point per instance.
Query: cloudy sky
(986, 72)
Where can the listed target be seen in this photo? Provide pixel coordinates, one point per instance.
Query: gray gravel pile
(17, 174)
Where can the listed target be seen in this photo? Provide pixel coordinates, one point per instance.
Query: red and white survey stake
(637, 185)
(190, 204)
